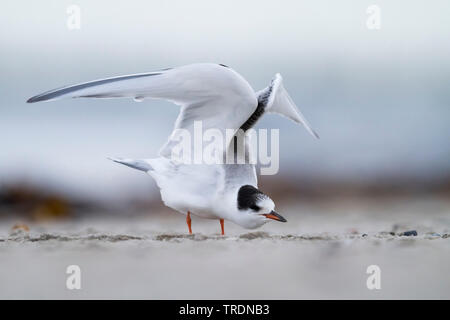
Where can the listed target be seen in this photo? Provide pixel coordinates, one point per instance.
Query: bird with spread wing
(221, 99)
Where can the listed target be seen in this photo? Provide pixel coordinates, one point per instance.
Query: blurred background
(379, 99)
(375, 188)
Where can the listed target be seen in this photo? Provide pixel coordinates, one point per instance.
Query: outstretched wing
(272, 99)
(275, 99)
(214, 94)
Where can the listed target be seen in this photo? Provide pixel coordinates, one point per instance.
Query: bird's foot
(222, 227)
(188, 221)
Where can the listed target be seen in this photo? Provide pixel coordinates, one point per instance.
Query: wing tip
(34, 99)
(315, 134)
(309, 129)
(114, 159)
(41, 97)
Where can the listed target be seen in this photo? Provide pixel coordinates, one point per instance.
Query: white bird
(222, 99)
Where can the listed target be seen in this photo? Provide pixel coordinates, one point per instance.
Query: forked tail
(141, 165)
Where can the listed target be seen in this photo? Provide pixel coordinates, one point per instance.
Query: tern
(220, 98)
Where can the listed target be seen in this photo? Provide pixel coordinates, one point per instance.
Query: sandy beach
(323, 251)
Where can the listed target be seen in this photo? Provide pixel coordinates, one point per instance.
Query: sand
(323, 251)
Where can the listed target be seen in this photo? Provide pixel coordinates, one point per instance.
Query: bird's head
(255, 207)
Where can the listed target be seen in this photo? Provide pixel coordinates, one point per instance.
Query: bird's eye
(255, 207)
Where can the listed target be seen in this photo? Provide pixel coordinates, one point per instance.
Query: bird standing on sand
(221, 99)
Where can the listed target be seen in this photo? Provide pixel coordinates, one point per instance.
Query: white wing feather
(278, 101)
(214, 94)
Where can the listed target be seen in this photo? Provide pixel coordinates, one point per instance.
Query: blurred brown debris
(36, 204)
(20, 226)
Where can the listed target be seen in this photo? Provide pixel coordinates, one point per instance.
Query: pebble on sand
(409, 233)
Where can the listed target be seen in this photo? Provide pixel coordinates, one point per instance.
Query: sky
(379, 99)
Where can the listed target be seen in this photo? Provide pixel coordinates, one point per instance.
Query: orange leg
(188, 221)
(221, 225)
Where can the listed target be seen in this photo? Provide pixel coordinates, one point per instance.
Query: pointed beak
(275, 216)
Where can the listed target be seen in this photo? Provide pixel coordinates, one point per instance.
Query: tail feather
(141, 165)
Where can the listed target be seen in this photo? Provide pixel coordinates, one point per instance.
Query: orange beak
(274, 216)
